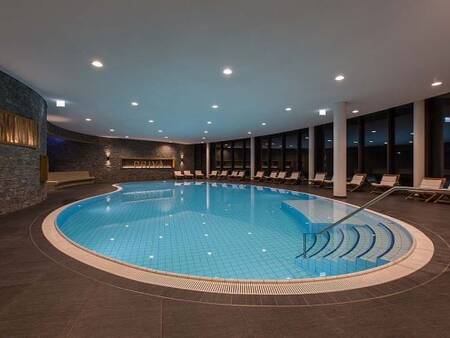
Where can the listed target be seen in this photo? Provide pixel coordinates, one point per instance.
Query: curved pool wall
(231, 231)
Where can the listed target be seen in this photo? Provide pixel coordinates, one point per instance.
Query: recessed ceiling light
(329, 141)
(160, 131)
(209, 122)
(135, 104)
(127, 136)
(288, 109)
(227, 71)
(60, 103)
(370, 141)
(374, 131)
(436, 84)
(214, 106)
(249, 132)
(355, 111)
(88, 119)
(447, 119)
(322, 112)
(151, 121)
(339, 77)
(97, 63)
(206, 132)
(263, 123)
(166, 136)
(112, 130)
(203, 138)
(202, 142)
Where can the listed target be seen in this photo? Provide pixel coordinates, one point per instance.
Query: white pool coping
(418, 256)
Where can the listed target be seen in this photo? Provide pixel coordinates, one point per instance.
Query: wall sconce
(108, 157)
(182, 158)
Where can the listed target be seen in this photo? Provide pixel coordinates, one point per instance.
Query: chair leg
(410, 196)
(429, 199)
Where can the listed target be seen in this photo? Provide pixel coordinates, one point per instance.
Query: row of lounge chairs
(186, 174)
(357, 181)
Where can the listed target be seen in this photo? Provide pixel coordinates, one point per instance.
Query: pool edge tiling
(418, 256)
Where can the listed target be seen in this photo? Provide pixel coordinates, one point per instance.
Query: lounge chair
(213, 174)
(273, 175)
(328, 183)
(259, 176)
(187, 174)
(233, 174)
(357, 182)
(294, 178)
(240, 175)
(178, 174)
(223, 174)
(318, 179)
(199, 174)
(427, 183)
(281, 177)
(388, 181)
(443, 198)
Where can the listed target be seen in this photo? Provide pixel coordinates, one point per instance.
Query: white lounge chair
(357, 182)
(199, 174)
(223, 174)
(294, 178)
(388, 181)
(240, 175)
(259, 176)
(187, 174)
(328, 183)
(427, 183)
(273, 175)
(281, 177)
(318, 179)
(233, 174)
(213, 175)
(178, 174)
(443, 198)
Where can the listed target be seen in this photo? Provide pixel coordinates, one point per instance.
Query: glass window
(218, 155)
(403, 147)
(227, 156)
(238, 148)
(304, 156)
(328, 149)
(447, 144)
(264, 153)
(291, 162)
(375, 145)
(247, 153)
(352, 146)
(276, 153)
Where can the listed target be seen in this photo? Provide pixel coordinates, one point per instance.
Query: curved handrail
(382, 196)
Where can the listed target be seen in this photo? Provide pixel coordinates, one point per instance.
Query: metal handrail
(382, 196)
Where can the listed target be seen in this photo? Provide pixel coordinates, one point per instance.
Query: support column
(252, 158)
(311, 153)
(340, 150)
(419, 142)
(208, 162)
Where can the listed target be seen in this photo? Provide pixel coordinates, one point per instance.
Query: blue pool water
(231, 231)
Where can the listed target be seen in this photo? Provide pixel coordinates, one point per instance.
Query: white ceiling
(168, 56)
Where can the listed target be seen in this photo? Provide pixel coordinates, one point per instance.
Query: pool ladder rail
(380, 197)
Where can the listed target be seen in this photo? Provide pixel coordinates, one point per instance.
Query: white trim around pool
(418, 256)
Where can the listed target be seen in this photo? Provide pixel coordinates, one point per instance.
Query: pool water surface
(231, 231)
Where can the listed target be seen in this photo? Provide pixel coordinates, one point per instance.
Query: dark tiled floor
(44, 293)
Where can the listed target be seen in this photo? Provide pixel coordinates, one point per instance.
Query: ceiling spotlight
(112, 130)
(203, 138)
(127, 136)
(134, 104)
(60, 103)
(356, 111)
(160, 131)
(209, 122)
(322, 112)
(436, 84)
(202, 142)
(227, 71)
(88, 119)
(97, 64)
(206, 132)
(374, 131)
(288, 109)
(249, 132)
(339, 77)
(166, 136)
(151, 121)
(263, 123)
(214, 106)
